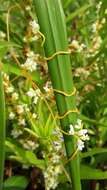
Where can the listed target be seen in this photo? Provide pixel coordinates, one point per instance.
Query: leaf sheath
(52, 23)
(2, 131)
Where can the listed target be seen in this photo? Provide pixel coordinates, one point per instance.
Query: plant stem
(52, 23)
(2, 131)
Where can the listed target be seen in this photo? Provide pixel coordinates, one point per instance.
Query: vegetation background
(35, 154)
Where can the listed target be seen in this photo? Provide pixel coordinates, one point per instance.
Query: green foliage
(33, 133)
(25, 157)
(16, 182)
(89, 173)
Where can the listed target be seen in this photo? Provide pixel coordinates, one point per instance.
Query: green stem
(52, 23)
(2, 131)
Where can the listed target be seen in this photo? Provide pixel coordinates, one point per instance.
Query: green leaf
(51, 19)
(32, 159)
(31, 132)
(42, 113)
(67, 3)
(79, 12)
(48, 127)
(10, 68)
(33, 125)
(24, 156)
(2, 130)
(88, 172)
(6, 44)
(93, 152)
(18, 151)
(16, 183)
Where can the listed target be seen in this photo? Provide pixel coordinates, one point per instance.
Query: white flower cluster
(75, 46)
(9, 88)
(48, 87)
(48, 90)
(98, 7)
(20, 109)
(11, 115)
(16, 109)
(34, 94)
(52, 172)
(80, 71)
(81, 134)
(57, 145)
(31, 62)
(35, 30)
(16, 132)
(96, 43)
(35, 26)
(29, 144)
(54, 168)
(98, 25)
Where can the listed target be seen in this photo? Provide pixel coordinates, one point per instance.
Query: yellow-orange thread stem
(65, 133)
(64, 93)
(57, 53)
(43, 37)
(72, 157)
(68, 112)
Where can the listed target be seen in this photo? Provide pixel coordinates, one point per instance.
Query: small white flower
(28, 8)
(38, 93)
(94, 27)
(71, 131)
(78, 124)
(22, 122)
(29, 145)
(26, 108)
(11, 115)
(9, 89)
(16, 132)
(19, 109)
(105, 11)
(79, 121)
(55, 158)
(30, 64)
(80, 144)
(5, 76)
(34, 38)
(82, 132)
(30, 54)
(57, 145)
(31, 93)
(46, 88)
(58, 169)
(15, 96)
(35, 26)
(99, 5)
(75, 44)
(31, 61)
(35, 100)
(34, 115)
(103, 21)
(85, 137)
